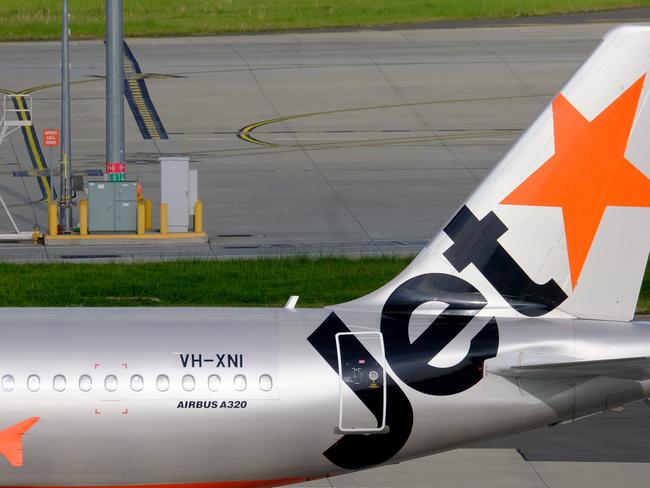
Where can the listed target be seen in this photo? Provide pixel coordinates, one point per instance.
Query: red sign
(51, 137)
(115, 168)
(116, 171)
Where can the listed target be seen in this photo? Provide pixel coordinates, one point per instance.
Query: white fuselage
(239, 428)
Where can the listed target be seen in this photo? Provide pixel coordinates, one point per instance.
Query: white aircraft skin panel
(638, 146)
(621, 60)
(607, 282)
(541, 266)
(483, 335)
(422, 318)
(115, 349)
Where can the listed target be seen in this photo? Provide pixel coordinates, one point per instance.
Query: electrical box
(101, 213)
(112, 206)
(78, 183)
(175, 191)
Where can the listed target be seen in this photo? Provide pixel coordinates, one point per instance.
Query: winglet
(11, 441)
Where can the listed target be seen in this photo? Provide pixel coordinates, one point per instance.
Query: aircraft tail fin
(561, 227)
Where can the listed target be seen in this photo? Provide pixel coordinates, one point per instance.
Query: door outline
(382, 427)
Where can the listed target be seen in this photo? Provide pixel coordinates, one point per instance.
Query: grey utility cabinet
(175, 191)
(112, 206)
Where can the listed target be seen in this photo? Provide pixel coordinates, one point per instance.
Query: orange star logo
(588, 172)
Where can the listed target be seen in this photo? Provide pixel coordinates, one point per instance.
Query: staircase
(16, 113)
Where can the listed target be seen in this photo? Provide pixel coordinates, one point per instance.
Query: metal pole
(51, 161)
(114, 83)
(66, 153)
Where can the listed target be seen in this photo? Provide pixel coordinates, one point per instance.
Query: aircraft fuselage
(251, 394)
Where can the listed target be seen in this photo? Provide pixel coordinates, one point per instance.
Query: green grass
(248, 282)
(40, 19)
(643, 306)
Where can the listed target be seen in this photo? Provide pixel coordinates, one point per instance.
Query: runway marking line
(245, 133)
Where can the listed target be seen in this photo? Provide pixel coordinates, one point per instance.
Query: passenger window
(59, 382)
(8, 383)
(137, 383)
(33, 383)
(266, 382)
(188, 382)
(110, 383)
(162, 382)
(85, 383)
(240, 382)
(214, 382)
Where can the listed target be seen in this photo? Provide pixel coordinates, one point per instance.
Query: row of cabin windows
(59, 382)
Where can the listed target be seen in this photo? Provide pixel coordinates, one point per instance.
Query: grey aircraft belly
(515, 316)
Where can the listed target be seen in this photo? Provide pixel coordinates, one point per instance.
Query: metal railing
(22, 110)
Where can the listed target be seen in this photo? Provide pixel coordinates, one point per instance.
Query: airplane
(517, 315)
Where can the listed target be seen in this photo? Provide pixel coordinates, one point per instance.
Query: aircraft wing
(626, 368)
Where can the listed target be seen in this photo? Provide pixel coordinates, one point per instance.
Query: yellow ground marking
(32, 138)
(136, 237)
(28, 91)
(245, 132)
(386, 141)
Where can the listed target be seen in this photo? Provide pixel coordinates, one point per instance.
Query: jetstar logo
(410, 360)
(588, 172)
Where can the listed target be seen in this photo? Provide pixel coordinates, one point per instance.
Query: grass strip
(245, 282)
(264, 282)
(40, 19)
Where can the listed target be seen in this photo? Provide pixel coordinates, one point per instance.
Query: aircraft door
(362, 382)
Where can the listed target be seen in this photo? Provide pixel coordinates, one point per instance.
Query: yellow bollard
(83, 217)
(163, 218)
(148, 214)
(140, 218)
(198, 216)
(53, 219)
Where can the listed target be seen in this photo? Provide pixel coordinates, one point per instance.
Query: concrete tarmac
(494, 468)
(378, 137)
(612, 437)
(603, 451)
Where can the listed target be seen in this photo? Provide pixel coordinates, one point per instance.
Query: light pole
(114, 87)
(65, 195)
